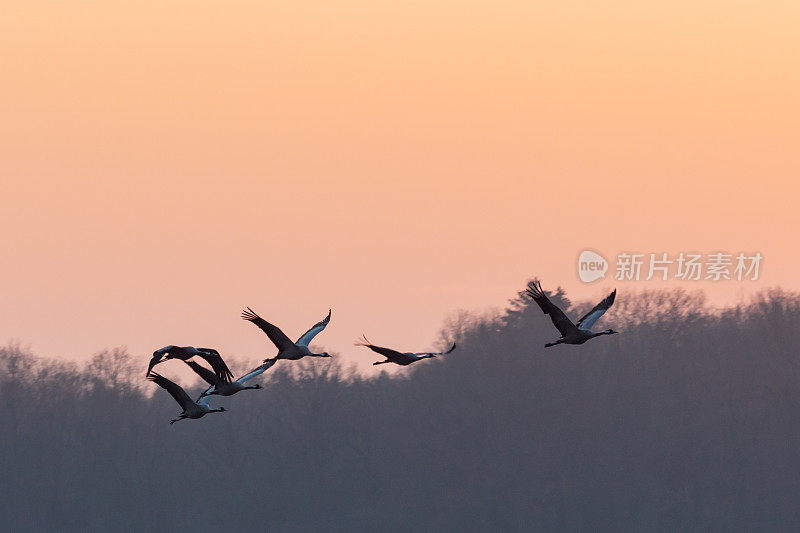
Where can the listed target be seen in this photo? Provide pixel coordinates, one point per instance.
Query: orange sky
(166, 163)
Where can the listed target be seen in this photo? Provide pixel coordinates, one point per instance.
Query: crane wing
(205, 400)
(217, 363)
(388, 353)
(563, 324)
(158, 356)
(597, 311)
(278, 337)
(315, 330)
(205, 374)
(173, 388)
(257, 371)
(453, 347)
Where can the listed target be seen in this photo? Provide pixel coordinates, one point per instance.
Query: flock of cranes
(221, 382)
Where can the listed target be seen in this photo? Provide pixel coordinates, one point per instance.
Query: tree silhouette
(686, 420)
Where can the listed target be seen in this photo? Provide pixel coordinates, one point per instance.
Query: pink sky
(167, 163)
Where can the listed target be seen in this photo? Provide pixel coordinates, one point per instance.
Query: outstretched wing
(314, 331)
(158, 356)
(173, 388)
(597, 311)
(453, 347)
(153, 362)
(563, 324)
(205, 396)
(278, 338)
(217, 363)
(388, 353)
(207, 375)
(205, 400)
(257, 371)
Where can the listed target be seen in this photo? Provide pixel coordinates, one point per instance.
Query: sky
(164, 164)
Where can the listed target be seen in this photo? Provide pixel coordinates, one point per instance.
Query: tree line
(685, 420)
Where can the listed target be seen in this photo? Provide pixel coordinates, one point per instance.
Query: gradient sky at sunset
(166, 163)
